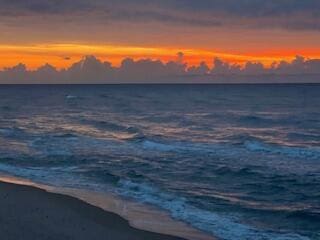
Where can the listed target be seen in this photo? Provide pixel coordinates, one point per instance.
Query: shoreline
(134, 217)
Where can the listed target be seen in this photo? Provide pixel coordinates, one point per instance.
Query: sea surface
(234, 161)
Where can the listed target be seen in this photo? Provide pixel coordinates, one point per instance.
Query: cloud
(22, 7)
(92, 70)
(164, 17)
(288, 14)
(202, 69)
(253, 8)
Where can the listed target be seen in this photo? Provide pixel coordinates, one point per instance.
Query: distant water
(235, 161)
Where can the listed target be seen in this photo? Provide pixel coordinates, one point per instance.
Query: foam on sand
(139, 215)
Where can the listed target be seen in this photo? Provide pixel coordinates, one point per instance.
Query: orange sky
(62, 32)
(63, 55)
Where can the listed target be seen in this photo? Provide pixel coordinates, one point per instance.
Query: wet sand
(29, 213)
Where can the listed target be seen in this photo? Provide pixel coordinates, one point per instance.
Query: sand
(29, 213)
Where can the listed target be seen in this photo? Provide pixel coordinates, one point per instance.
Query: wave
(6, 131)
(119, 131)
(313, 217)
(103, 125)
(255, 120)
(277, 119)
(150, 145)
(66, 136)
(104, 175)
(11, 132)
(250, 143)
(310, 137)
(130, 137)
(244, 171)
(223, 226)
(71, 97)
(296, 152)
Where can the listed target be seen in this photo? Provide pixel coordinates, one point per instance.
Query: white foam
(224, 227)
(69, 97)
(139, 216)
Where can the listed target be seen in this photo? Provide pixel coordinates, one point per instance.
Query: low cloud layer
(91, 70)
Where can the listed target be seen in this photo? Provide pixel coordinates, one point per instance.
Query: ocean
(233, 161)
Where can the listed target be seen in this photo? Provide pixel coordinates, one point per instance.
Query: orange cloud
(62, 55)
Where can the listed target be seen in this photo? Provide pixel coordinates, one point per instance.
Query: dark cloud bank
(288, 14)
(91, 70)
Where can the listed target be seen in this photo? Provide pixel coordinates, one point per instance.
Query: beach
(30, 213)
(214, 165)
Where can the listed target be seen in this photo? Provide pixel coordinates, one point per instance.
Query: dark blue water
(236, 161)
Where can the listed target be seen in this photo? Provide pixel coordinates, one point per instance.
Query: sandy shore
(30, 213)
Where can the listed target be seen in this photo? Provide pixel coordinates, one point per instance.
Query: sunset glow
(251, 37)
(63, 55)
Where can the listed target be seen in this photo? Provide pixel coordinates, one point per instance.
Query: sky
(63, 32)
